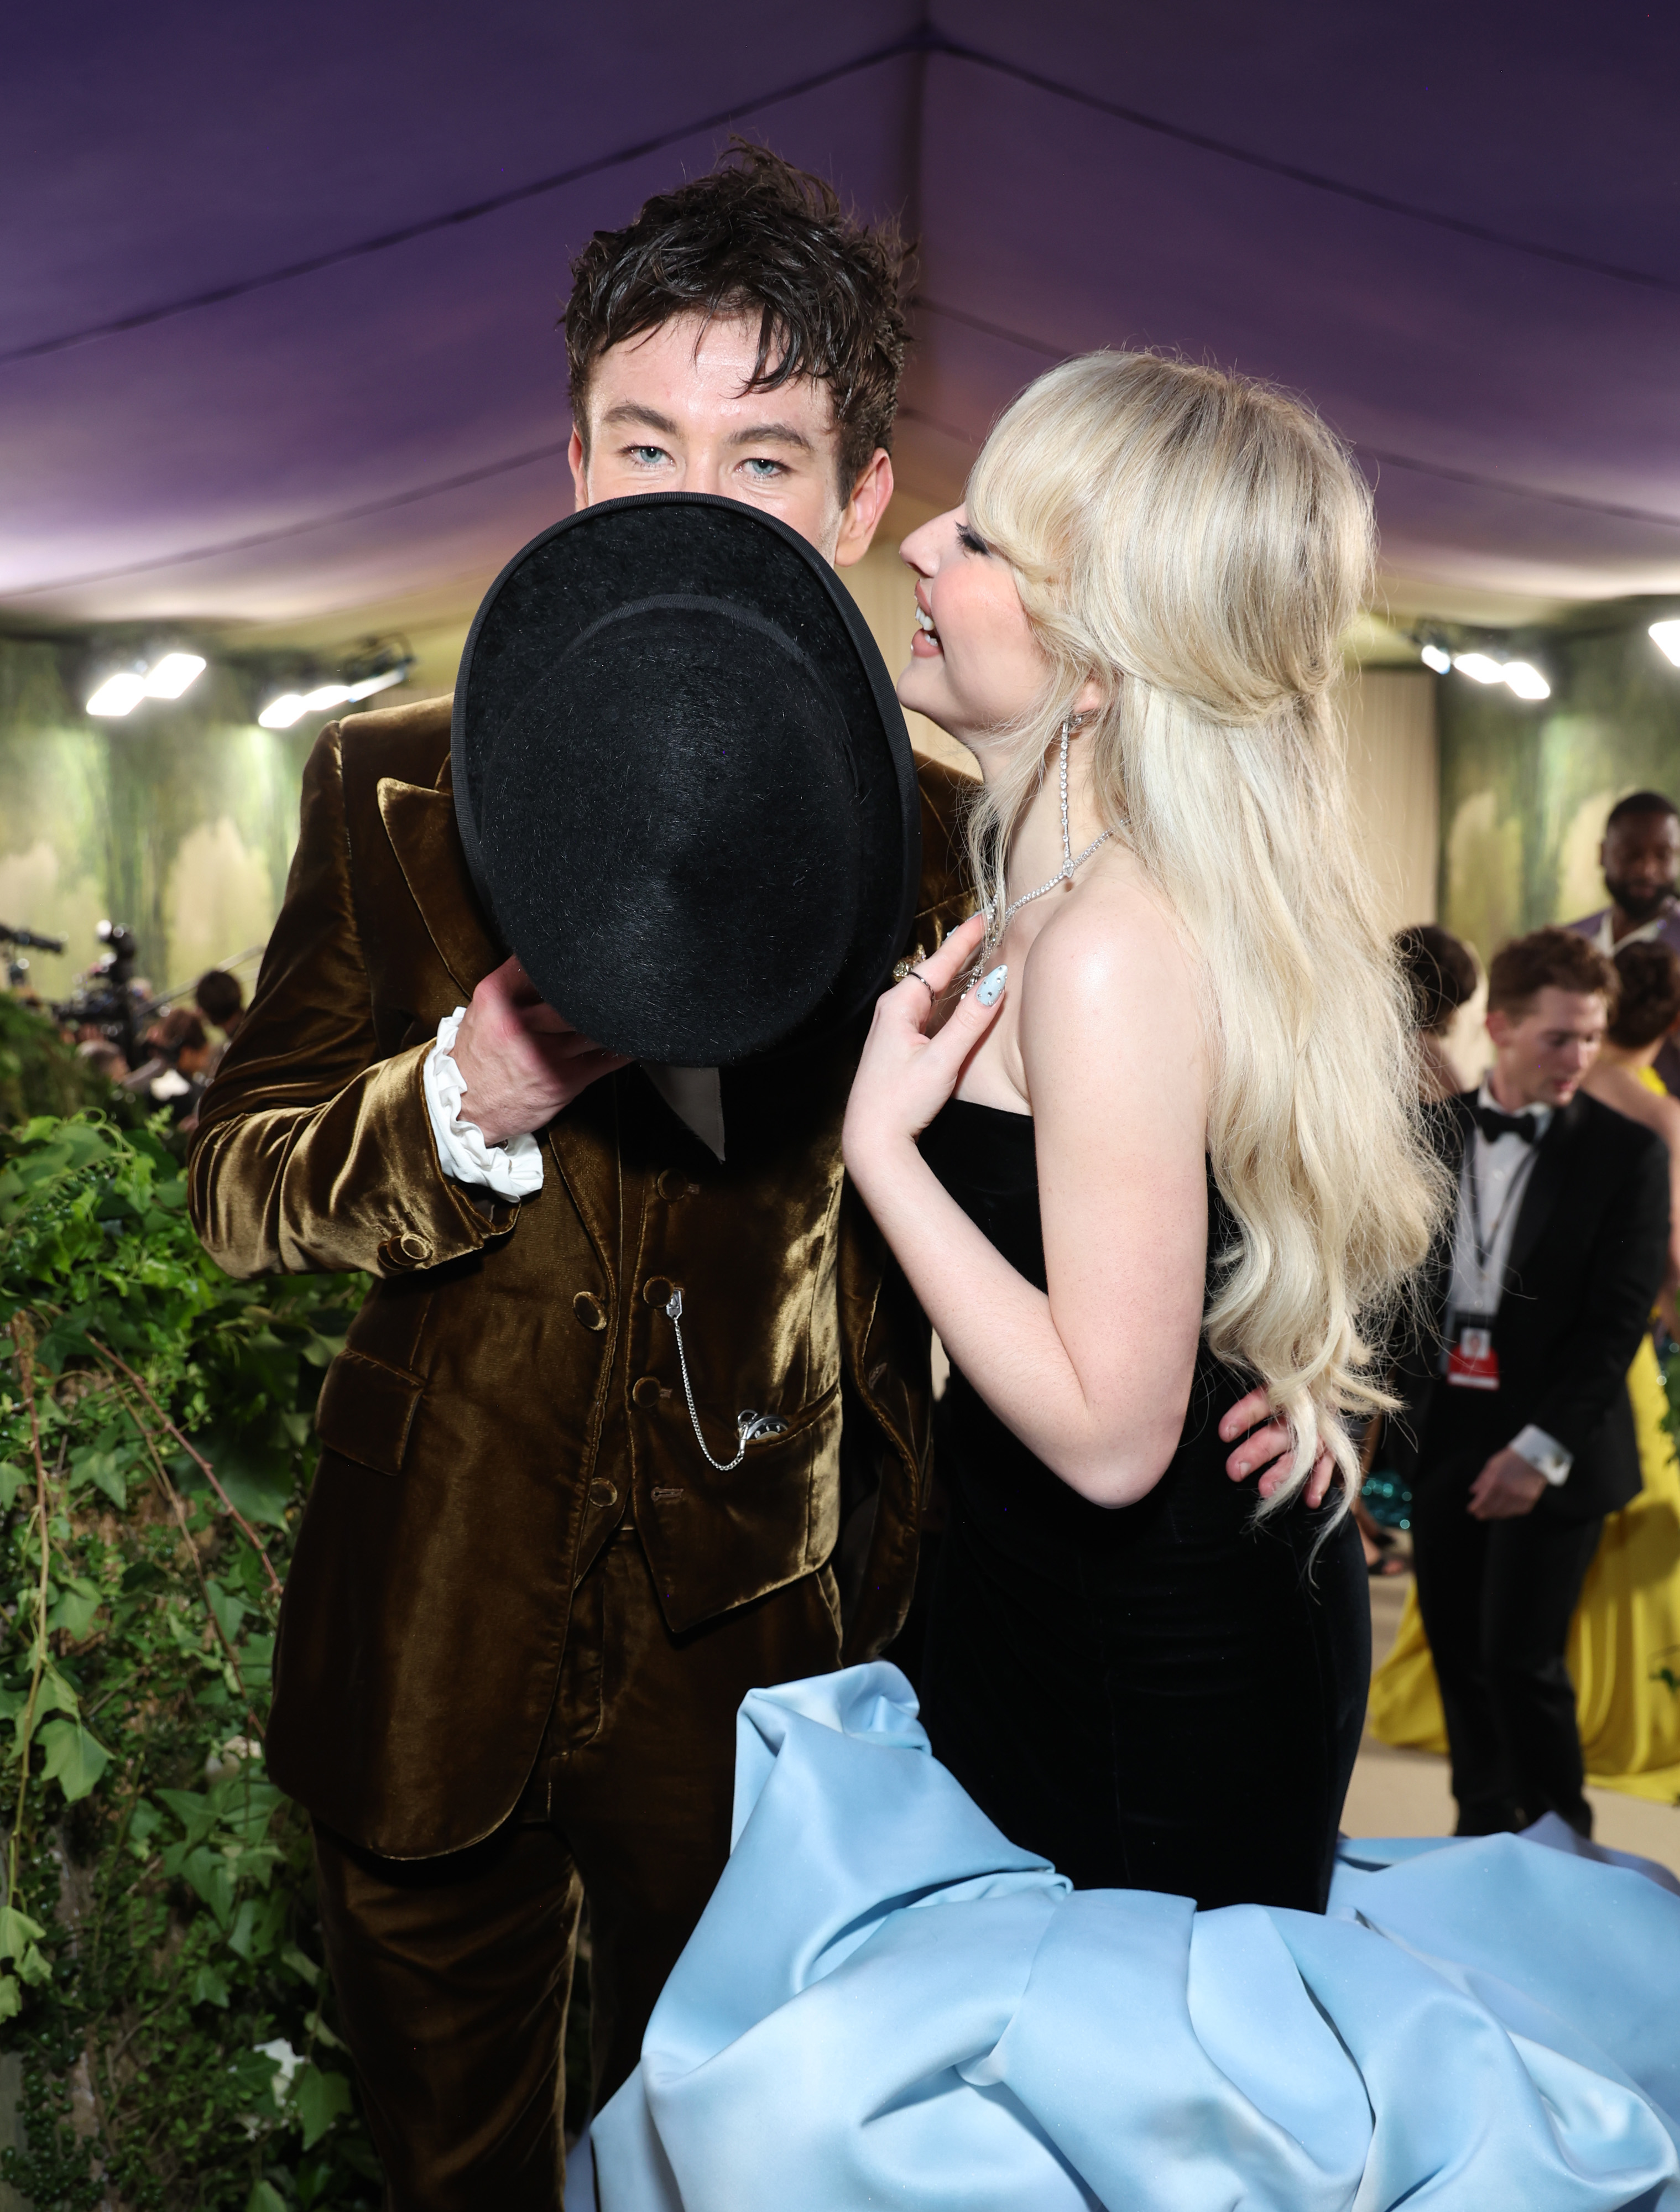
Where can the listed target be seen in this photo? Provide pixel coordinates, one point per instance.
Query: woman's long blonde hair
(1198, 543)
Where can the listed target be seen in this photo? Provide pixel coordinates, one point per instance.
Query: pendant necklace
(994, 928)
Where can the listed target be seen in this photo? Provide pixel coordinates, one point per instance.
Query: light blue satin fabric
(887, 2004)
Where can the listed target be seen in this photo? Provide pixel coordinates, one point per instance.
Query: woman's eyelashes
(971, 540)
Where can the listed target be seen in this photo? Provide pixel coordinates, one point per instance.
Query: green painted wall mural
(1525, 789)
(178, 820)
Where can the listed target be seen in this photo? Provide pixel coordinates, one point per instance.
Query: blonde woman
(1161, 1150)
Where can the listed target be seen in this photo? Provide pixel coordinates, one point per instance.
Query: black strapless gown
(1159, 1696)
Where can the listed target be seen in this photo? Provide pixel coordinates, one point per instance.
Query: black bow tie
(1494, 1125)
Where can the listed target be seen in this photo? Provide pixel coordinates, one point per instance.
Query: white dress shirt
(513, 1169)
(1502, 1170)
(1648, 932)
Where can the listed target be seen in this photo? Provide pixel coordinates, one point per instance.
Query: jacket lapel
(420, 821)
(1450, 1124)
(1544, 1183)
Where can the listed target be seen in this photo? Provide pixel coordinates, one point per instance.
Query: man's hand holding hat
(520, 1062)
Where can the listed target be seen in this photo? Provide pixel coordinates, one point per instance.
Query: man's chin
(1641, 907)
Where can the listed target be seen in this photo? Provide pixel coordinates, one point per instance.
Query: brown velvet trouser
(452, 1974)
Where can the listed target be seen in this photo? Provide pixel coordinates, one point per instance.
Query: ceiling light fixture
(1526, 680)
(1479, 665)
(166, 678)
(1436, 657)
(1667, 635)
(292, 706)
(119, 695)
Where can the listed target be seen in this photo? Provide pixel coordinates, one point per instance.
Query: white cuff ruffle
(513, 1169)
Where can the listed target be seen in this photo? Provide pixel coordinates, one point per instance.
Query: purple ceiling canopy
(277, 321)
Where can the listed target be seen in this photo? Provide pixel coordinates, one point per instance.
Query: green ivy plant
(161, 1965)
(39, 1074)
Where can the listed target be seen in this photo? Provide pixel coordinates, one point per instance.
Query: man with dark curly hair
(486, 1703)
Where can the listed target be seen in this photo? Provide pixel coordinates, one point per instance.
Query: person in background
(104, 1058)
(173, 1072)
(219, 999)
(1442, 972)
(1624, 1074)
(1540, 1293)
(1625, 1627)
(1641, 859)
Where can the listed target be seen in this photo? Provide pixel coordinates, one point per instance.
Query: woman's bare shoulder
(1111, 991)
(1115, 945)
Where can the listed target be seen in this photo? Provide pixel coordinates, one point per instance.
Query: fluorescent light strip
(292, 706)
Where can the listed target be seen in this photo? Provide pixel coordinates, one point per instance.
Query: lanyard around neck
(1486, 1247)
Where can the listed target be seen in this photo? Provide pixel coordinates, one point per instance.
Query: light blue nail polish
(992, 989)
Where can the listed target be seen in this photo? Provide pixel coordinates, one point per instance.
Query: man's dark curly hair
(756, 237)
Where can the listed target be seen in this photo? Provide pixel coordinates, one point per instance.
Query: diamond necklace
(994, 928)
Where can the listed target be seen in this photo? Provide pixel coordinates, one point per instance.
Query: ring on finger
(906, 973)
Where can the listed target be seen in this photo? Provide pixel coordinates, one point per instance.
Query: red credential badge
(1472, 1363)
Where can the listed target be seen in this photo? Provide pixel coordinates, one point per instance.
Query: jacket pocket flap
(366, 1410)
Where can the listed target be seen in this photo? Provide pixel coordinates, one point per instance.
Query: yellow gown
(1624, 1642)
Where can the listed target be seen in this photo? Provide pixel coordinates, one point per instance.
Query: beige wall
(1394, 787)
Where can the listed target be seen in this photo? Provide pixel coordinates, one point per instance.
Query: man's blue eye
(647, 454)
(765, 469)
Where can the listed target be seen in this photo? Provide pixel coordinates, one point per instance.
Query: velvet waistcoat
(510, 1389)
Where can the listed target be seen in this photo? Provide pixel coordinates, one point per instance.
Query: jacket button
(656, 1291)
(589, 1310)
(603, 1493)
(648, 1391)
(672, 1184)
(405, 1251)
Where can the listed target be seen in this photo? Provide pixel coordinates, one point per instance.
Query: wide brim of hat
(684, 784)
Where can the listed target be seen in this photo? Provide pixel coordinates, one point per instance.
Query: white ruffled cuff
(513, 1169)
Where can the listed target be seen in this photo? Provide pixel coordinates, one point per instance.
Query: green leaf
(195, 1813)
(212, 1877)
(13, 1478)
(17, 1932)
(110, 1472)
(229, 1610)
(74, 1759)
(265, 2197)
(304, 1967)
(32, 1968)
(144, 1825)
(77, 1604)
(209, 1986)
(321, 2098)
(257, 1924)
(11, 1997)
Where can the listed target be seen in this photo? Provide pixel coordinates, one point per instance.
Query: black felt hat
(683, 780)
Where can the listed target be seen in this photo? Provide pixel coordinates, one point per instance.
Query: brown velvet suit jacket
(510, 1387)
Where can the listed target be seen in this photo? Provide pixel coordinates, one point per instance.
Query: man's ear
(864, 509)
(1498, 1025)
(574, 454)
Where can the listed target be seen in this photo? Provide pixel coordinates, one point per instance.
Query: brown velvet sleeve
(315, 1152)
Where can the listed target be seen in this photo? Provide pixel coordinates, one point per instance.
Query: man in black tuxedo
(1541, 1291)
